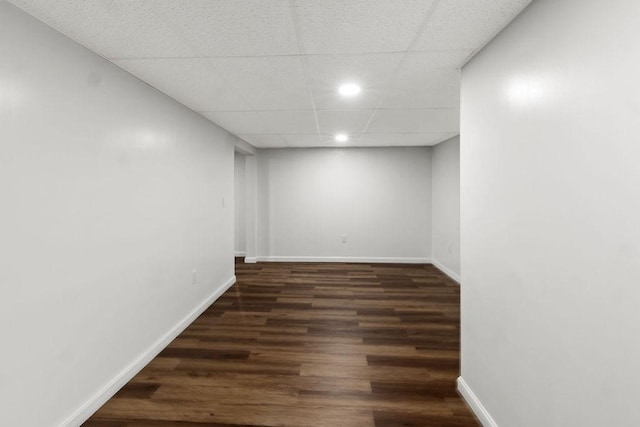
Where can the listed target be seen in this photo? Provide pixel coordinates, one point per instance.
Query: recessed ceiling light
(349, 89)
(341, 137)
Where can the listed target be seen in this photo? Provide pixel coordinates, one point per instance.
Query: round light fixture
(341, 137)
(349, 89)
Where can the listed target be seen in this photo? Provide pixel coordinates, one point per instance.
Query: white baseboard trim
(386, 260)
(101, 397)
(250, 260)
(239, 253)
(474, 403)
(446, 270)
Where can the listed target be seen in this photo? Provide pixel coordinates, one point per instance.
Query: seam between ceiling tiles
(305, 65)
(196, 51)
(413, 42)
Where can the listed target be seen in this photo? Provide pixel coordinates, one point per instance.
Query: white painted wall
(111, 194)
(380, 198)
(550, 214)
(239, 203)
(445, 206)
(251, 207)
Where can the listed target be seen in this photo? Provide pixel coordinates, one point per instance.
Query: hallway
(309, 345)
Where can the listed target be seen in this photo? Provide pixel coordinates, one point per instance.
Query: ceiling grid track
(187, 41)
(305, 63)
(273, 73)
(412, 44)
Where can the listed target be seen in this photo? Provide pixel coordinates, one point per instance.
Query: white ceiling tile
(358, 26)
(115, 29)
(191, 81)
(267, 83)
(450, 59)
(238, 61)
(304, 140)
(417, 120)
(235, 27)
(239, 122)
(351, 122)
(418, 83)
(322, 140)
(464, 24)
(371, 71)
(403, 139)
(282, 122)
(264, 141)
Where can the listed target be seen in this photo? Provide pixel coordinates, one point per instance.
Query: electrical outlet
(194, 281)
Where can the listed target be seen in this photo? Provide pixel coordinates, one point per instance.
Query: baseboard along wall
(103, 395)
(446, 270)
(377, 260)
(474, 403)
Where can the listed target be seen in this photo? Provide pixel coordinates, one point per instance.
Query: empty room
(310, 213)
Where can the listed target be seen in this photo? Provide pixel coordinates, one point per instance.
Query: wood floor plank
(309, 345)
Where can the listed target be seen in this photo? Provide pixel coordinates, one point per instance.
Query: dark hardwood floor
(336, 345)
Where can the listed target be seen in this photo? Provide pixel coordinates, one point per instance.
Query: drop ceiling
(269, 70)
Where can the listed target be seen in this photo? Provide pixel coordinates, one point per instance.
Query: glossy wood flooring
(336, 345)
